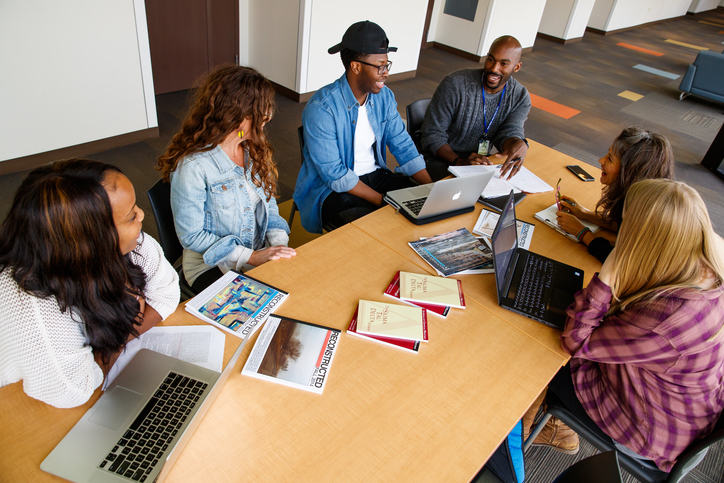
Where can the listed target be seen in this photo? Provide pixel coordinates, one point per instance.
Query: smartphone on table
(578, 171)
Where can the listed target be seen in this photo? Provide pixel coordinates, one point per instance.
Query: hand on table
(260, 257)
(475, 159)
(515, 155)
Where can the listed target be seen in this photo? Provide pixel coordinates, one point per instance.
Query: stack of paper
(524, 180)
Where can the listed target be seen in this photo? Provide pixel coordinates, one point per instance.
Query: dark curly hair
(227, 96)
(59, 240)
(644, 155)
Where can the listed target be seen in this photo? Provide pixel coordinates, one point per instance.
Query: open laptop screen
(505, 240)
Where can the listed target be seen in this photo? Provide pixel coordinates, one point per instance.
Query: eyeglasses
(381, 69)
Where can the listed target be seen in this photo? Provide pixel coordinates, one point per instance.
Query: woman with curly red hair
(223, 178)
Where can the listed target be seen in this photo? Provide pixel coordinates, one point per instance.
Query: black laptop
(527, 283)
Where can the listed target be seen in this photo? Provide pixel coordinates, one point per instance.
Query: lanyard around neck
(486, 126)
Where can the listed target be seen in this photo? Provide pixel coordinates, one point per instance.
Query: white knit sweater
(47, 349)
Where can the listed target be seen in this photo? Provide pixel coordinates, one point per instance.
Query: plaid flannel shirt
(650, 376)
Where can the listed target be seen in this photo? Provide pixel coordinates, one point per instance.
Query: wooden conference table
(386, 414)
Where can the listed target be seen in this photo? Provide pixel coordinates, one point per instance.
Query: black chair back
(160, 197)
(415, 114)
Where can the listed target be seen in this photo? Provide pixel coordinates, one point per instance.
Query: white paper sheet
(524, 180)
(199, 344)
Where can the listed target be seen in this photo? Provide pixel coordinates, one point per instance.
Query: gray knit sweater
(455, 114)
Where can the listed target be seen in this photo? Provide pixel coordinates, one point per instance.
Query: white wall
(703, 5)
(611, 15)
(492, 19)
(272, 39)
(566, 19)
(287, 40)
(460, 33)
(73, 72)
(524, 28)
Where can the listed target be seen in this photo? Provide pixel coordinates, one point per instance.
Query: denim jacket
(329, 121)
(211, 207)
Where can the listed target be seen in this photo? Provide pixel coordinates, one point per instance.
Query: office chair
(300, 137)
(599, 468)
(643, 470)
(326, 226)
(415, 113)
(160, 197)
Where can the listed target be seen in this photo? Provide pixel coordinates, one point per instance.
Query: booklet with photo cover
(454, 252)
(415, 287)
(408, 345)
(236, 303)
(392, 320)
(393, 290)
(486, 224)
(293, 353)
(548, 216)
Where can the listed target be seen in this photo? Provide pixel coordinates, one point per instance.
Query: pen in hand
(558, 194)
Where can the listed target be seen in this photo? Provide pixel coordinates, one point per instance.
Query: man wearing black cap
(347, 127)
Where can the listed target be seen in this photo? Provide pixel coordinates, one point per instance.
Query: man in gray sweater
(462, 125)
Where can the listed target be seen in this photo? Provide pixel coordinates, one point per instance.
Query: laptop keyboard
(145, 442)
(537, 276)
(415, 205)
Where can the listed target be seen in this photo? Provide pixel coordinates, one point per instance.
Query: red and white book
(429, 289)
(407, 345)
(392, 320)
(393, 290)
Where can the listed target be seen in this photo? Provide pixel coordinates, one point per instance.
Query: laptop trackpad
(116, 408)
(419, 191)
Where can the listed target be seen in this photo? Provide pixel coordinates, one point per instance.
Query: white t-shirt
(364, 139)
(47, 349)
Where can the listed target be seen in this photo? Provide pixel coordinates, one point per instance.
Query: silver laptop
(142, 422)
(440, 200)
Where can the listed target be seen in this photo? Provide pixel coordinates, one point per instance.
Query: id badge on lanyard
(483, 147)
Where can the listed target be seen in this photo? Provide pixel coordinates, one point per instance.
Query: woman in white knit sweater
(78, 280)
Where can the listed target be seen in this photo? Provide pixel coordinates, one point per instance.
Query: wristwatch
(525, 141)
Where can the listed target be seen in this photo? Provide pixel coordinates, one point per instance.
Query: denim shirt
(329, 121)
(211, 207)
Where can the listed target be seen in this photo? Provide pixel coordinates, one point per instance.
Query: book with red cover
(393, 290)
(408, 345)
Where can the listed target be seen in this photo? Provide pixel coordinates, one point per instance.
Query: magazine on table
(236, 303)
(548, 216)
(486, 224)
(393, 290)
(408, 345)
(293, 353)
(454, 252)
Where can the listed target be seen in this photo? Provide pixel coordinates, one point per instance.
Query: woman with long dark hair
(77, 280)
(223, 178)
(636, 154)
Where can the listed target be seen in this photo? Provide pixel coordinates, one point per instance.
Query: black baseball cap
(366, 38)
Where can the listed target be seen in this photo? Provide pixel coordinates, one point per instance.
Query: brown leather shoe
(558, 436)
